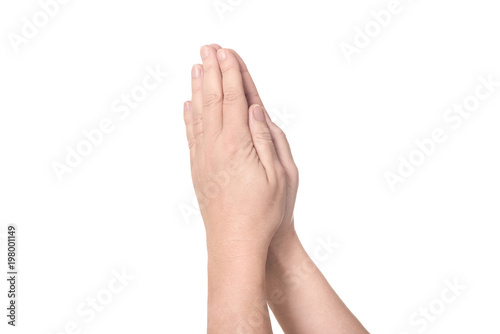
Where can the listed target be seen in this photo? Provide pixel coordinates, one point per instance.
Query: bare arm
(300, 296)
(236, 292)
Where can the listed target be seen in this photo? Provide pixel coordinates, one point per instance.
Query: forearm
(236, 291)
(300, 296)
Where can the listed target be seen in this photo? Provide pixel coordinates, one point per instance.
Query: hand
(241, 188)
(237, 175)
(286, 230)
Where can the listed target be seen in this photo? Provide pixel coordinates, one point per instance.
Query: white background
(123, 206)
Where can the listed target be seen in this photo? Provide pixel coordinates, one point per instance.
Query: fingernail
(205, 52)
(258, 113)
(221, 54)
(187, 106)
(196, 72)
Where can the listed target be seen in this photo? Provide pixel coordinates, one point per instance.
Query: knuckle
(197, 125)
(230, 146)
(229, 65)
(197, 119)
(212, 99)
(198, 132)
(232, 95)
(210, 67)
(263, 136)
(191, 143)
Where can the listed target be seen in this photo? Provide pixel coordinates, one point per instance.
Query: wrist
(237, 238)
(236, 289)
(231, 247)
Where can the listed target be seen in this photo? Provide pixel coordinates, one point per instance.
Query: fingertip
(205, 51)
(227, 59)
(221, 55)
(258, 113)
(196, 71)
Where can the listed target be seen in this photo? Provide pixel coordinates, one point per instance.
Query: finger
(212, 93)
(234, 106)
(188, 120)
(197, 100)
(262, 139)
(250, 89)
(251, 92)
(283, 150)
(280, 141)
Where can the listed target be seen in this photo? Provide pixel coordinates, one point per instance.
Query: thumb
(261, 137)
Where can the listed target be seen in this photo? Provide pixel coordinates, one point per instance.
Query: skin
(246, 183)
